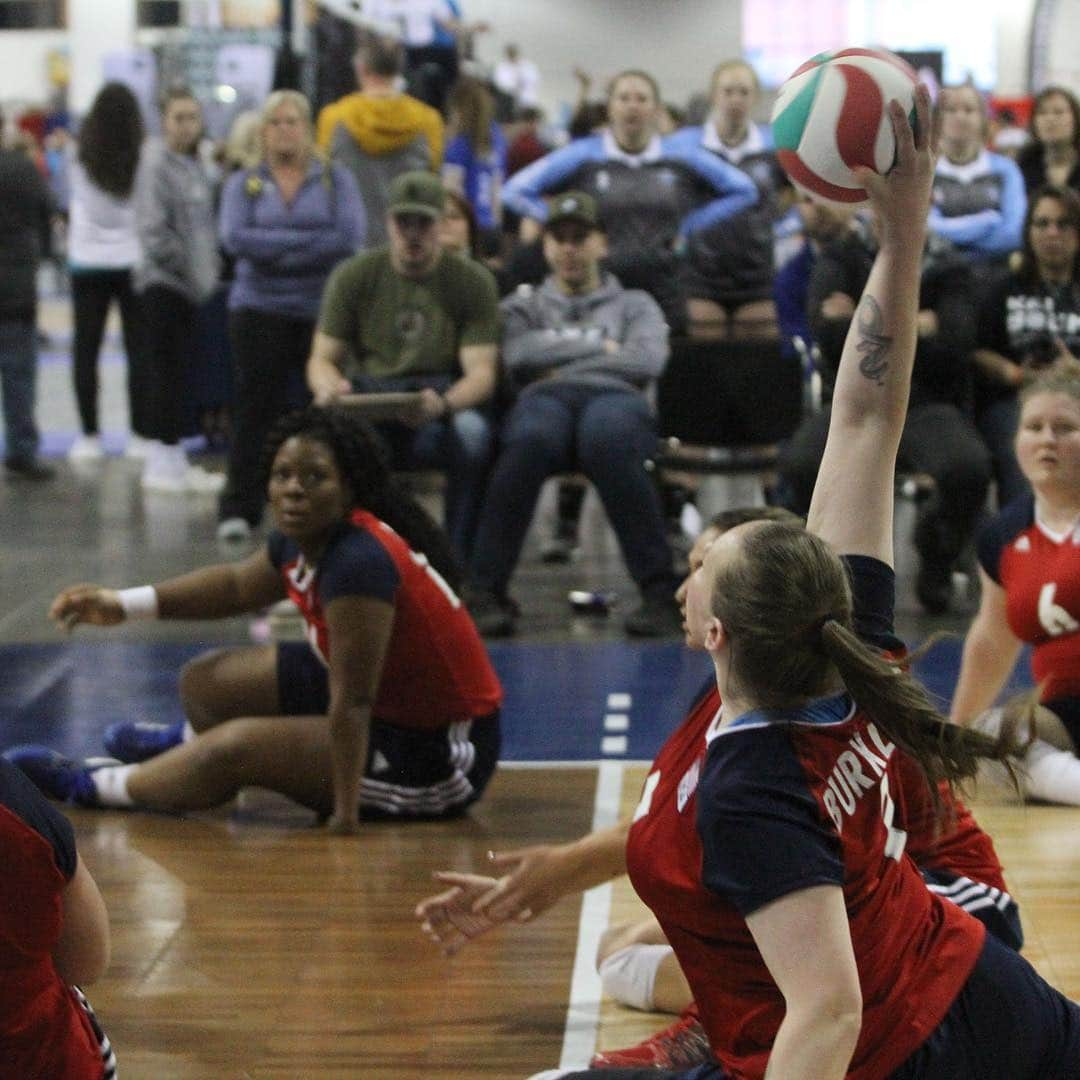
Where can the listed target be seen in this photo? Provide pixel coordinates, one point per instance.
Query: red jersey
(44, 1031)
(1040, 573)
(731, 819)
(437, 671)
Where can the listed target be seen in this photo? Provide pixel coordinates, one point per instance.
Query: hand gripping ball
(832, 115)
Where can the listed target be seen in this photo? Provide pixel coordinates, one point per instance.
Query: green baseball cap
(417, 193)
(573, 206)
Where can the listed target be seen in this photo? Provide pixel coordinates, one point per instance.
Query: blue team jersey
(979, 206)
(479, 177)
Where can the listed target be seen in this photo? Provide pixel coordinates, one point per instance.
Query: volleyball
(832, 115)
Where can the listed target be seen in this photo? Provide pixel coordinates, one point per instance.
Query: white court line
(583, 1013)
(616, 722)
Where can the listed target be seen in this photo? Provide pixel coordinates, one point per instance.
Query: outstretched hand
(86, 604)
(450, 918)
(901, 198)
(536, 877)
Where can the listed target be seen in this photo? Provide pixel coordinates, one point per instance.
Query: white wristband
(140, 602)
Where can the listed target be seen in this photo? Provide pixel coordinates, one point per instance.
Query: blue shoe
(131, 741)
(57, 776)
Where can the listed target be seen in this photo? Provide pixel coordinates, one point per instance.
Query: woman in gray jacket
(179, 268)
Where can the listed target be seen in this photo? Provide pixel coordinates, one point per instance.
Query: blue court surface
(576, 702)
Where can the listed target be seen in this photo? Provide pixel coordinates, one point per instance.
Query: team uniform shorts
(410, 772)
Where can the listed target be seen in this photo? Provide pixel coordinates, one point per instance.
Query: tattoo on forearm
(873, 345)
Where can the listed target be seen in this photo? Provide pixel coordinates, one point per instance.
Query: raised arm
(852, 505)
(990, 652)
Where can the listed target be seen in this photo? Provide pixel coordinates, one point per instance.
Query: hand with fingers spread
(90, 604)
(449, 918)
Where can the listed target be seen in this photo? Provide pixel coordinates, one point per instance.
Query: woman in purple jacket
(287, 223)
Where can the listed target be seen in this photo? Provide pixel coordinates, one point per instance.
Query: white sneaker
(86, 448)
(233, 530)
(200, 481)
(165, 469)
(137, 448)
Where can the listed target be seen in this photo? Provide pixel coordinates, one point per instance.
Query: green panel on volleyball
(788, 127)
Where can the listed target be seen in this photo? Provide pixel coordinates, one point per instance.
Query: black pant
(93, 292)
(170, 337)
(939, 440)
(269, 353)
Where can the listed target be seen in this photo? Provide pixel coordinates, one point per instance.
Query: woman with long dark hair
(1053, 155)
(389, 707)
(103, 247)
(1029, 320)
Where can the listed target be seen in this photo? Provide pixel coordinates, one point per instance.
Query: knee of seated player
(619, 936)
(225, 751)
(200, 690)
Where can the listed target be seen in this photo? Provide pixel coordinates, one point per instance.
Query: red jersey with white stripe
(732, 818)
(1040, 573)
(436, 671)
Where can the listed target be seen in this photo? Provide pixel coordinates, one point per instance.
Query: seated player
(390, 707)
(637, 965)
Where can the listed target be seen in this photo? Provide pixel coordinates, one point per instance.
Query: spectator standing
(1030, 319)
(54, 933)
(978, 199)
(1053, 155)
(179, 268)
(582, 352)
(729, 267)
(475, 162)
(518, 78)
(287, 223)
(379, 132)
(653, 193)
(103, 250)
(25, 210)
(417, 318)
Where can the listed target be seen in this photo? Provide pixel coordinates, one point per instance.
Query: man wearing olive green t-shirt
(416, 318)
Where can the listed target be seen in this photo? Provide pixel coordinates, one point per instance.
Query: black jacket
(942, 369)
(25, 206)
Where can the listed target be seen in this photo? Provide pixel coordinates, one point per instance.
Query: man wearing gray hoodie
(581, 352)
(178, 269)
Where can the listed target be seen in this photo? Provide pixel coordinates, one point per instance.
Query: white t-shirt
(101, 231)
(520, 79)
(413, 21)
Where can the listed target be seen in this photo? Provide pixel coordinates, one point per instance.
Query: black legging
(170, 339)
(939, 440)
(93, 292)
(269, 353)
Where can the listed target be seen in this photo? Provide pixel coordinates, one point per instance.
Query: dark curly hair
(110, 138)
(364, 462)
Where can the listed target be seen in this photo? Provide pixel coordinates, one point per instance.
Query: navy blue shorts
(1007, 1023)
(410, 773)
(1067, 710)
(996, 910)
